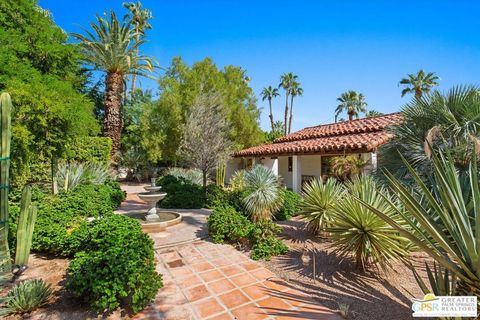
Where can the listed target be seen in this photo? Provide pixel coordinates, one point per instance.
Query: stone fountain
(152, 196)
(154, 220)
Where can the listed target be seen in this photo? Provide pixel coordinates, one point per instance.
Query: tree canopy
(42, 74)
(163, 121)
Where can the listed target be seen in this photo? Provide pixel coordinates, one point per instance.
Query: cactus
(220, 178)
(26, 222)
(6, 132)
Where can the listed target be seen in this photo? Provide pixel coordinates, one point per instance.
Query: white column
(296, 174)
(275, 166)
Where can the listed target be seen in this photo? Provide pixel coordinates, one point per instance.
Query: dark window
(290, 164)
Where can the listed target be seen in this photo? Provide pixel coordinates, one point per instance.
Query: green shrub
(291, 206)
(90, 149)
(181, 193)
(116, 267)
(60, 214)
(26, 296)
(216, 195)
(225, 224)
(265, 241)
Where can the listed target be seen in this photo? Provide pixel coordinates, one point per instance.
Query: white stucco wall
(233, 164)
(311, 165)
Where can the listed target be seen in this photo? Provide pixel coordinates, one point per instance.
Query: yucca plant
(443, 222)
(263, 193)
(96, 173)
(319, 199)
(26, 297)
(357, 231)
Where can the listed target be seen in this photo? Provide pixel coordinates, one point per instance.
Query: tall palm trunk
(350, 115)
(134, 74)
(418, 93)
(271, 114)
(291, 112)
(286, 114)
(113, 122)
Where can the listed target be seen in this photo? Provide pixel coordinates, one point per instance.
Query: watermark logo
(445, 306)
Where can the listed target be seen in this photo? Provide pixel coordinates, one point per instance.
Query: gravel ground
(369, 295)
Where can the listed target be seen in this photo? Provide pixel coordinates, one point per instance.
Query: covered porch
(296, 170)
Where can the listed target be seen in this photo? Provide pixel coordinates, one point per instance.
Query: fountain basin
(164, 219)
(152, 189)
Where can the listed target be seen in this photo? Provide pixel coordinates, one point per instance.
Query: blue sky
(333, 46)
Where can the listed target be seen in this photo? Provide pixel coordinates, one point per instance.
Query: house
(303, 155)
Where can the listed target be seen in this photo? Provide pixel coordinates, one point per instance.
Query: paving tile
(189, 281)
(249, 312)
(181, 272)
(211, 275)
(231, 270)
(176, 263)
(296, 298)
(223, 316)
(221, 262)
(221, 286)
(234, 298)
(208, 307)
(250, 265)
(276, 285)
(197, 293)
(256, 291)
(273, 305)
(169, 256)
(262, 274)
(243, 279)
(202, 266)
(183, 313)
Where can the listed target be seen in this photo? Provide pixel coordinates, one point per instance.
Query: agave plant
(319, 199)
(263, 193)
(356, 230)
(26, 297)
(444, 222)
(70, 175)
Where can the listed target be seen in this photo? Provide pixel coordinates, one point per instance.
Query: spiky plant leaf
(27, 296)
(319, 199)
(263, 193)
(357, 231)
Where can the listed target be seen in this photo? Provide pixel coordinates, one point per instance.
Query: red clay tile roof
(362, 135)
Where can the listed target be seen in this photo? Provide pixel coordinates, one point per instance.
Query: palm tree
(373, 113)
(352, 102)
(112, 48)
(139, 19)
(268, 93)
(437, 122)
(419, 83)
(286, 81)
(295, 91)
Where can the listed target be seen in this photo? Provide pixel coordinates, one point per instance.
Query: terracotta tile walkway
(203, 280)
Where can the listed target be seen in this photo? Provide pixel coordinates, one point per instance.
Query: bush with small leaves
(116, 267)
(265, 241)
(290, 207)
(225, 224)
(26, 297)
